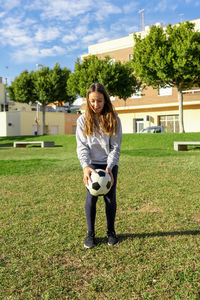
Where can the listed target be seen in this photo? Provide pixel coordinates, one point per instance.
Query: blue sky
(49, 31)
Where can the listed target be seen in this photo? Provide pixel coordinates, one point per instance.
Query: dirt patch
(196, 219)
(150, 209)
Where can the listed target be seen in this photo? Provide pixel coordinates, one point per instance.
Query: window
(170, 123)
(166, 91)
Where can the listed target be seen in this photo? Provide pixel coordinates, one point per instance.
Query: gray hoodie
(99, 148)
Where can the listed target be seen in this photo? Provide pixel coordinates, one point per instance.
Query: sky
(48, 31)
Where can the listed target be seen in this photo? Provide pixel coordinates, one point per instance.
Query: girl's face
(97, 102)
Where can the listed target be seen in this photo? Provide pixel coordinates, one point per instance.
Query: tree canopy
(117, 77)
(169, 57)
(45, 85)
(22, 88)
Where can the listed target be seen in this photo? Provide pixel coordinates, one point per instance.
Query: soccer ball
(101, 183)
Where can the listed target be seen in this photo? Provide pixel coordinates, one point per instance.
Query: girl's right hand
(87, 174)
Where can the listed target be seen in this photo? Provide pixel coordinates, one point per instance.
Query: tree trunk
(180, 104)
(43, 118)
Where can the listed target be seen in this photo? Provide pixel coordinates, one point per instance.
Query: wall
(9, 123)
(3, 124)
(55, 119)
(23, 123)
(52, 119)
(127, 122)
(70, 123)
(122, 54)
(191, 119)
(2, 94)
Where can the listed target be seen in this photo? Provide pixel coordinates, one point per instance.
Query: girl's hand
(108, 170)
(87, 174)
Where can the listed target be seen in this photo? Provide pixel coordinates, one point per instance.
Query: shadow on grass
(149, 152)
(12, 139)
(10, 145)
(125, 236)
(15, 138)
(6, 145)
(158, 234)
(38, 146)
(157, 152)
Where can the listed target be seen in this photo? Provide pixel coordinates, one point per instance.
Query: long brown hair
(107, 118)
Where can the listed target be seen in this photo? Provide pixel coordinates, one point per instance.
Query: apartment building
(150, 107)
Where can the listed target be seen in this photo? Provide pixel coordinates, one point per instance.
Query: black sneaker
(112, 238)
(89, 241)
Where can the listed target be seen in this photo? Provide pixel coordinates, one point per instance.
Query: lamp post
(141, 11)
(37, 114)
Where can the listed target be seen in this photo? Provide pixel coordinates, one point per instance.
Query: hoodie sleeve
(83, 151)
(115, 145)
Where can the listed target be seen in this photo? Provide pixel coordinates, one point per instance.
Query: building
(150, 107)
(5, 102)
(20, 119)
(23, 123)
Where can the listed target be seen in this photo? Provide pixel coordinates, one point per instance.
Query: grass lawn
(43, 224)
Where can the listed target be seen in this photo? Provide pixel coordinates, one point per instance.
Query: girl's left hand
(108, 170)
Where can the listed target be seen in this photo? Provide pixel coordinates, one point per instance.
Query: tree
(169, 57)
(22, 88)
(59, 78)
(118, 78)
(44, 85)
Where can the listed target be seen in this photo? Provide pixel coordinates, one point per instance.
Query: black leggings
(110, 203)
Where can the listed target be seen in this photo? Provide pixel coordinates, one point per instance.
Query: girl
(98, 138)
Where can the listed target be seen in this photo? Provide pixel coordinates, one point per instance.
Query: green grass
(43, 223)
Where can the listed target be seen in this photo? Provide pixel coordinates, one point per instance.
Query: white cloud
(28, 22)
(104, 9)
(12, 33)
(32, 54)
(71, 48)
(166, 5)
(2, 14)
(47, 34)
(65, 9)
(123, 24)
(54, 51)
(9, 4)
(81, 29)
(94, 36)
(69, 38)
(131, 7)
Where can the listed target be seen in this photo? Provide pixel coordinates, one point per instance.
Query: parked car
(153, 129)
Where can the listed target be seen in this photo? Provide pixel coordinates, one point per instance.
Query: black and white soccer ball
(101, 183)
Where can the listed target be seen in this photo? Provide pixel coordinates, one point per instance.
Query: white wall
(127, 122)
(3, 127)
(9, 123)
(191, 119)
